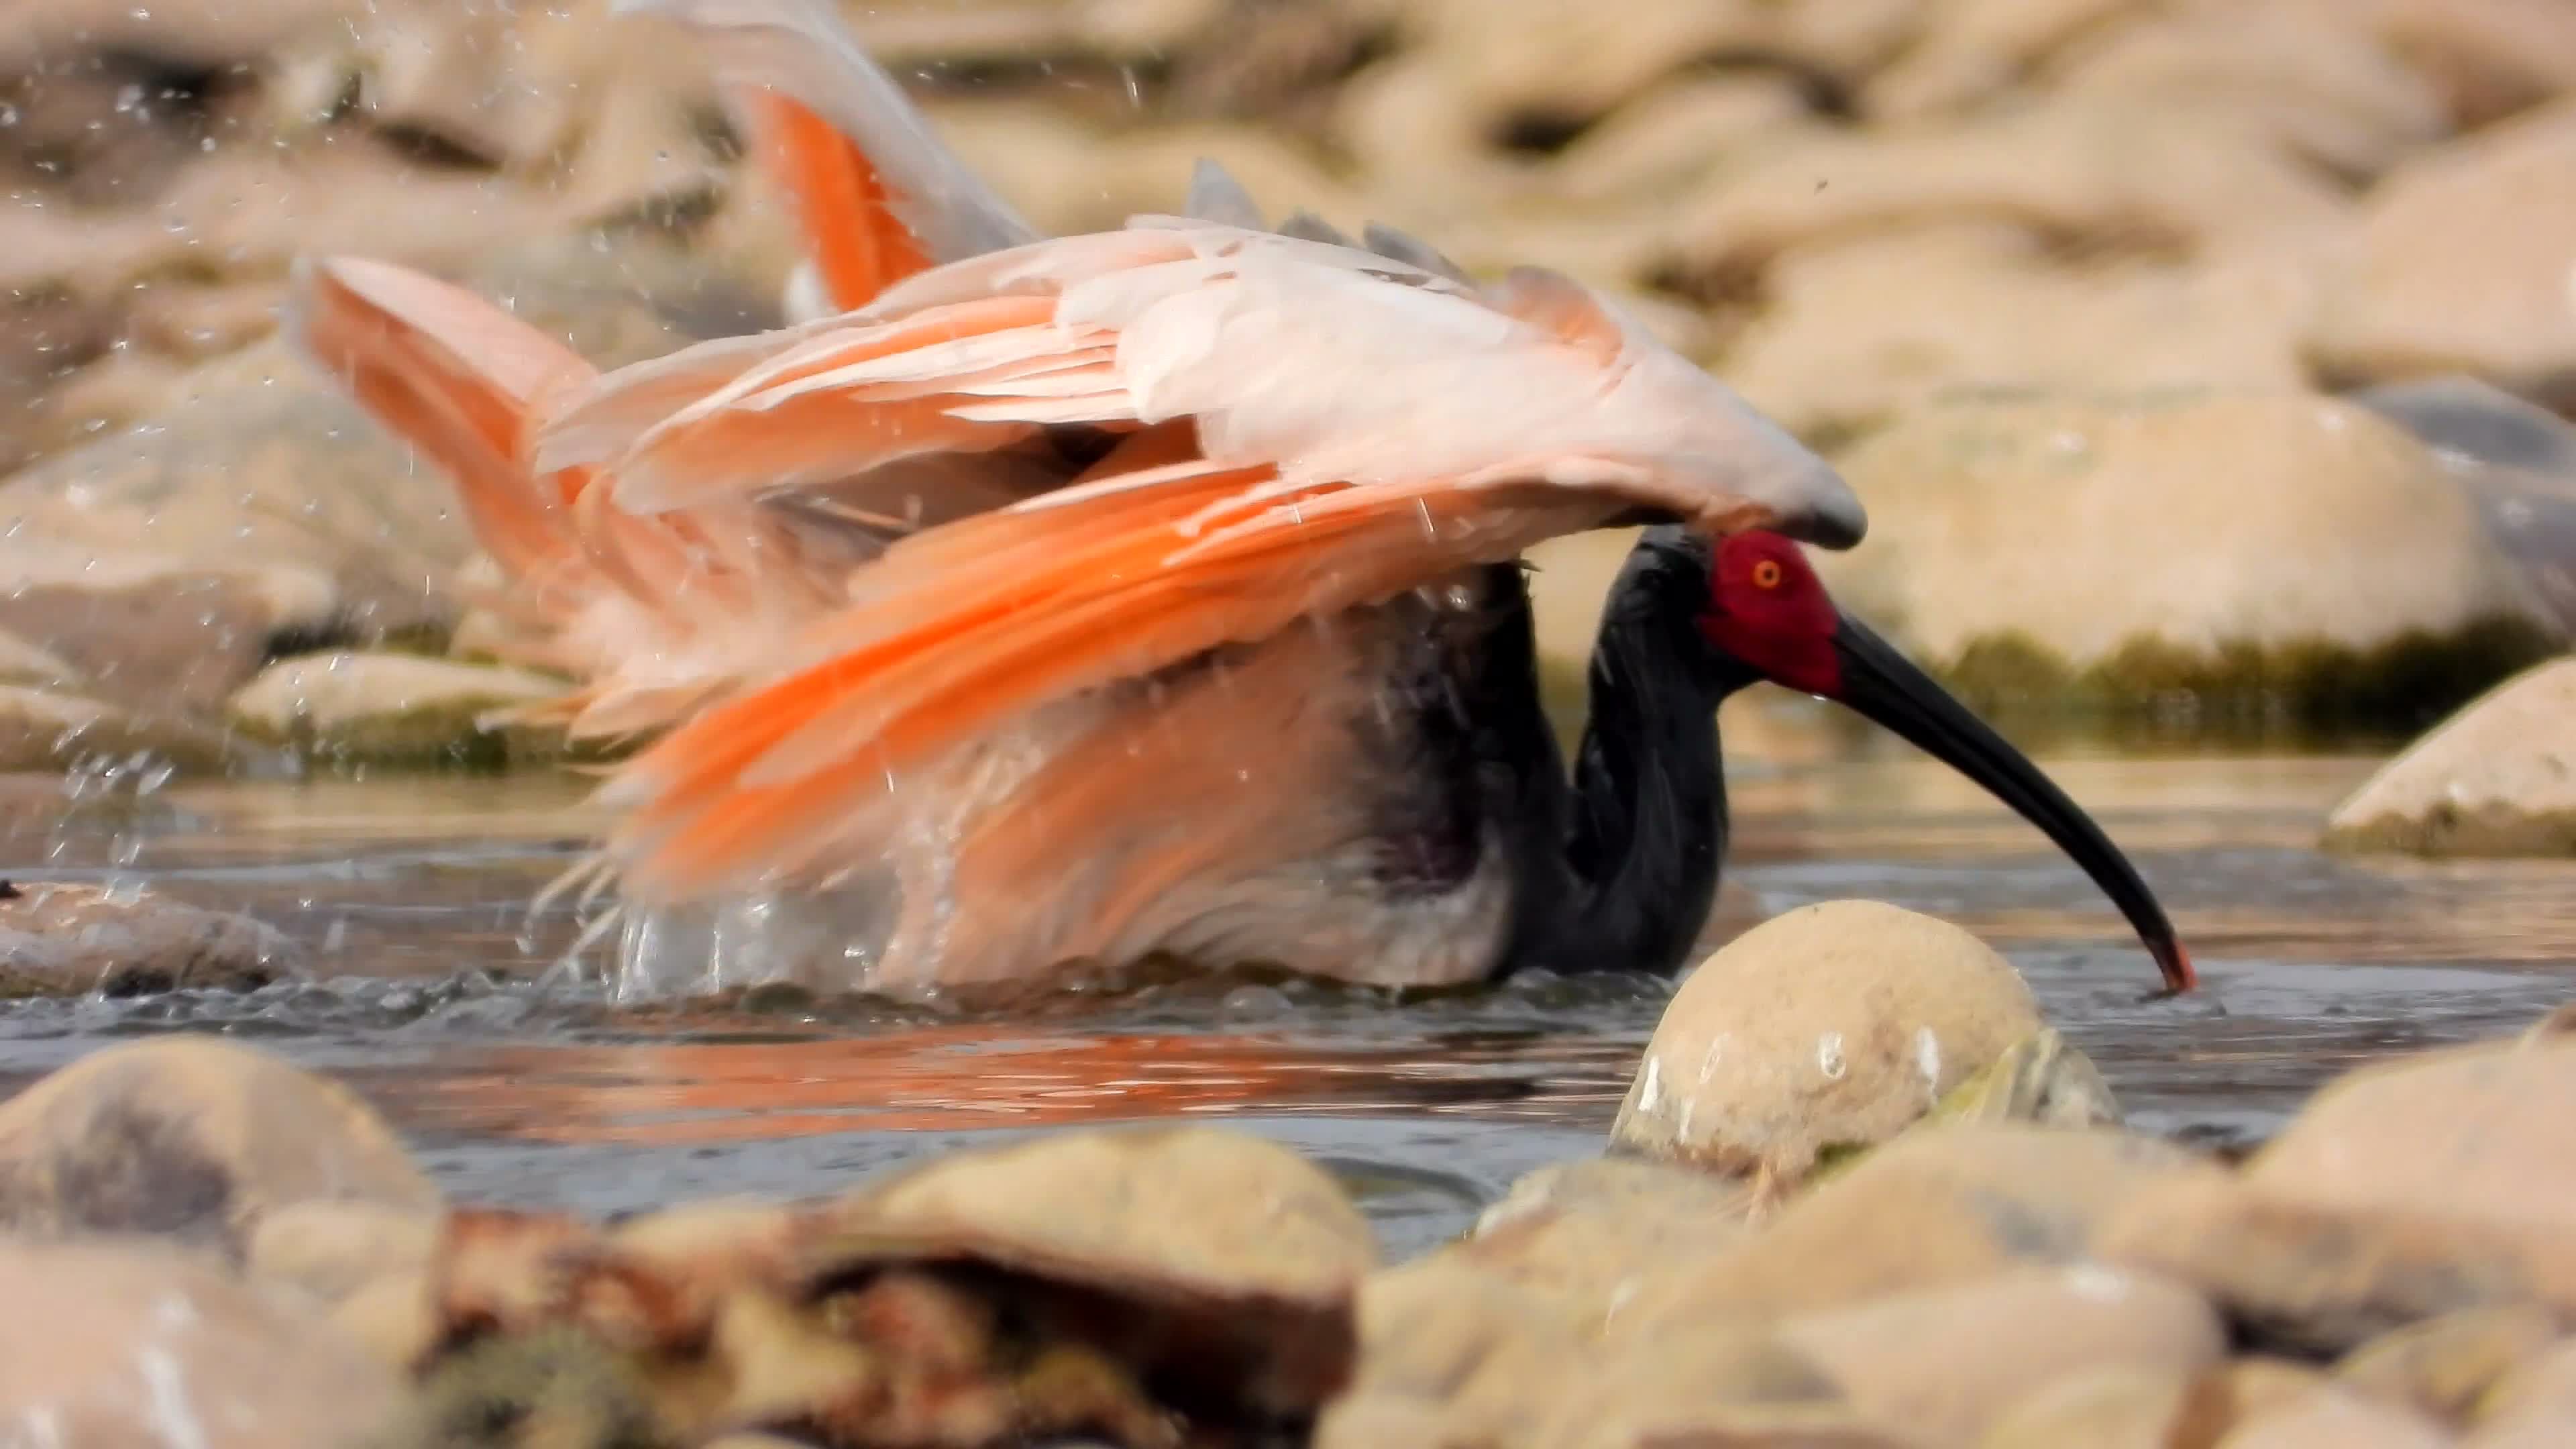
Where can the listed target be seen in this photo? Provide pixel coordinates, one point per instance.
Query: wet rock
(127, 1343)
(2337, 574)
(2497, 778)
(64, 938)
(2333, 1419)
(395, 707)
(2460, 264)
(1942, 1365)
(193, 1139)
(1828, 1028)
(1940, 1206)
(1861, 329)
(1139, 1285)
(2442, 1367)
(44, 730)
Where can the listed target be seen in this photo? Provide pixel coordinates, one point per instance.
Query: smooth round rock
(1830, 1027)
(193, 1139)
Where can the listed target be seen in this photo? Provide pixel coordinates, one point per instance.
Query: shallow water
(519, 1085)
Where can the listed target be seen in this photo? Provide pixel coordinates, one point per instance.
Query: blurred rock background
(2067, 286)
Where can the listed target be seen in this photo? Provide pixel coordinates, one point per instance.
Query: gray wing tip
(1215, 195)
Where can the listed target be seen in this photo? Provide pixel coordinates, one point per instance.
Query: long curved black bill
(1887, 688)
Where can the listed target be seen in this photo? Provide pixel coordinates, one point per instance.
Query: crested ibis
(1151, 592)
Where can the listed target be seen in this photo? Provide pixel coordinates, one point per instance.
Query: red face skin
(1767, 608)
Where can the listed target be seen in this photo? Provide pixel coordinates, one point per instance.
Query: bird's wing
(879, 196)
(1308, 428)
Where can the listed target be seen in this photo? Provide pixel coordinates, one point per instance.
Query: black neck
(1635, 866)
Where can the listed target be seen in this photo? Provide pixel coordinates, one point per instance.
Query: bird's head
(1768, 616)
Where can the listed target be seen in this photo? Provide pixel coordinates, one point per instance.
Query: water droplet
(1829, 1056)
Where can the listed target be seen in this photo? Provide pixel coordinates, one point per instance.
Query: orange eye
(1766, 574)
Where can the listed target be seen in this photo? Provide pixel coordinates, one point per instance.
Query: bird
(1031, 606)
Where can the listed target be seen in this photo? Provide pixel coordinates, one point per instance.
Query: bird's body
(1144, 593)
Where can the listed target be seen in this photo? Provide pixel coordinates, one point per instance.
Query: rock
(2305, 1280)
(1940, 1206)
(1452, 1354)
(2101, 175)
(1673, 136)
(2310, 562)
(2129, 1406)
(2461, 264)
(2498, 778)
(2335, 1420)
(1065, 1284)
(2387, 1140)
(1475, 1355)
(334, 1247)
(2533, 1406)
(121, 1343)
(1589, 1235)
(44, 730)
(1978, 47)
(1860, 329)
(2118, 1406)
(2301, 78)
(260, 457)
(2442, 1367)
(1825, 1029)
(2518, 461)
(156, 632)
(2373, 1210)
(1719, 1386)
(194, 1139)
(401, 707)
(1941, 1366)
(2488, 58)
(64, 938)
